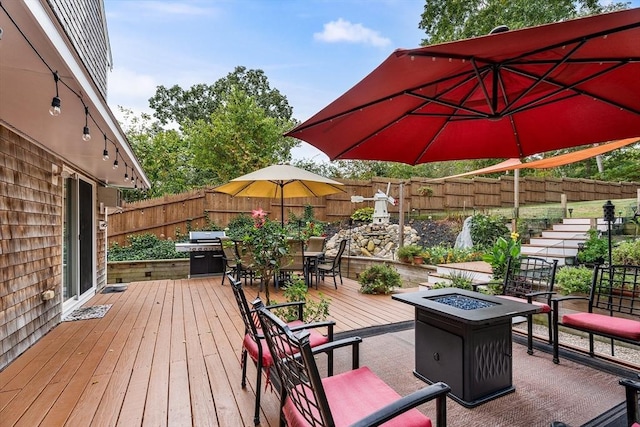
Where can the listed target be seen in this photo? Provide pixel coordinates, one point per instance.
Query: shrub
(239, 226)
(571, 280)
(457, 279)
(627, 253)
(313, 311)
(485, 230)
(596, 249)
(406, 253)
(363, 215)
(500, 253)
(144, 247)
(444, 255)
(379, 279)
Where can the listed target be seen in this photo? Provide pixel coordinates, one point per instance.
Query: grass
(590, 209)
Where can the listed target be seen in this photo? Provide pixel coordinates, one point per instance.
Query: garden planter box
(137, 271)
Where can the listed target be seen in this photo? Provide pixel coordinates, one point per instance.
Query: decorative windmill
(380, 213)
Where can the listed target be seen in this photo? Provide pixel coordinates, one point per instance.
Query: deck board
(166, 353)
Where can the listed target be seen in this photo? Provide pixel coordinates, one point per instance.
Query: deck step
(548, 251)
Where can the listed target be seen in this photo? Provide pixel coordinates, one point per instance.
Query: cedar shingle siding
(30, 244)
(85, 25)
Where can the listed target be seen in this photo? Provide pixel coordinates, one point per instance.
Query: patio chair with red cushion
(354, 398)
(255, 347)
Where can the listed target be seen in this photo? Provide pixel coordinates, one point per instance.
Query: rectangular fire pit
(463, 338)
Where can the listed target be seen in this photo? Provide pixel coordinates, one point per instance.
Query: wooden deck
(166, 353)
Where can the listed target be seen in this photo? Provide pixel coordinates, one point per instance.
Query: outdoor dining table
(310, 261)
(463, 338)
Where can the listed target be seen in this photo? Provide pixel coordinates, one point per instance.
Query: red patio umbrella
(504, 95)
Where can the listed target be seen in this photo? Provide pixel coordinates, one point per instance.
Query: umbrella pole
(282, 205)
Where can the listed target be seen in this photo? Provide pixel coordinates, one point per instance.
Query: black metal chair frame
(632, 393)
(530, 279)
(303, 387)
(253, 329)
(331, 266)
(230, 259)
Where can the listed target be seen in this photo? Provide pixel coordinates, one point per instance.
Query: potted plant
(408, 252)
(379, 279)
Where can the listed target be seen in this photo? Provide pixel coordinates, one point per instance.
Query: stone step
(561, 243)
(580, 228)
(564, 235)
(577, 221)
(548, 251)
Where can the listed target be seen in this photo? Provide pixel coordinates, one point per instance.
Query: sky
(312, 51)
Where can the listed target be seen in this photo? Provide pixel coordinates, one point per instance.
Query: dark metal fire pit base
(466, 347)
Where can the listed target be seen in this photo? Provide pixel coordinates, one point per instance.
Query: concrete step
(564, 235)
(577, 221)
(548, 251)
(560, 243)
(579, 228)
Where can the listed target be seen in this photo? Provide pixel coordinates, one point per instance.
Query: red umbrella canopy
(509, 94)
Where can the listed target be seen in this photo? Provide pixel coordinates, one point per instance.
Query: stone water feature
(372, 240)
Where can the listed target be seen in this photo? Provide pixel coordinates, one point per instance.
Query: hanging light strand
(55, 108)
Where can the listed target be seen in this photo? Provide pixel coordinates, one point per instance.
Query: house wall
(85, 25)
(31, 209)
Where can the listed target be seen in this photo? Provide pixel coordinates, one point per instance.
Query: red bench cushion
(624, 328)
(315, 338)
(355, 394)
(544, 306)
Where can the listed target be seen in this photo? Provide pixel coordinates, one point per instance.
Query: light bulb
(115, 164)
(86, 136)
(105, 155)
(55, 110)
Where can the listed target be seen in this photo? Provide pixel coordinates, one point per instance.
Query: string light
(86, 136)
(115, 162)
(105, 152)
(55, 110)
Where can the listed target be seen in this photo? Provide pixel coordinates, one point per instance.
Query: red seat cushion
(544, 306)
(355, 394)
(616, 326)
(315, 338)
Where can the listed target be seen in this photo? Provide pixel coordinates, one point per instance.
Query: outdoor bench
(613, 308)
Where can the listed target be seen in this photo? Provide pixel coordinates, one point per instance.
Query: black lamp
(55, 110)
(105, 152)
(86, 136)
(609, 212)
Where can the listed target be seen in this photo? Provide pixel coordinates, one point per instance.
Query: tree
(164, 156)
(238, 137)
(447, 20)
(178, 105)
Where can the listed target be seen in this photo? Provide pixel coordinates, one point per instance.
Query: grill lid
(205, 236)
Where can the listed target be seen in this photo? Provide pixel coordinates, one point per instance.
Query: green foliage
(379, 279)
(237, 138)
(144, 247)
(500, 253)
(627, 253)
(570, 280)
(407, 252)
(446, 255)
(176, 105)
(596, 248)
(446, 20)
(313, 311)
(239, 226)
(457, 279)
(363, 214)
(266, 240)
(305, 226)
(485, 230)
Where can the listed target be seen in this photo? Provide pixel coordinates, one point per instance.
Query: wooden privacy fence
(168, 215)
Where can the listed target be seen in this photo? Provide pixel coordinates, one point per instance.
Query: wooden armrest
(435, 391)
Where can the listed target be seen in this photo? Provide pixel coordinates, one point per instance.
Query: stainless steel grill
(206, 255)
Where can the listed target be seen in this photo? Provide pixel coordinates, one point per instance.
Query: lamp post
(609, 212)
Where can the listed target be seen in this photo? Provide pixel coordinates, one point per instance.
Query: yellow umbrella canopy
(281, 181)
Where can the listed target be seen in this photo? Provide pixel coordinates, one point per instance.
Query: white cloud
(341, 30)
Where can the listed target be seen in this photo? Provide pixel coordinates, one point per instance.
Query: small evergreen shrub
(626, 253)
(363, 215)
(570, 280)
(596, 249)
(144, 247)
(379, 279)
(485, 230)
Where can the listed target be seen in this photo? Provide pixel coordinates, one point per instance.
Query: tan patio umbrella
(283, 182)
